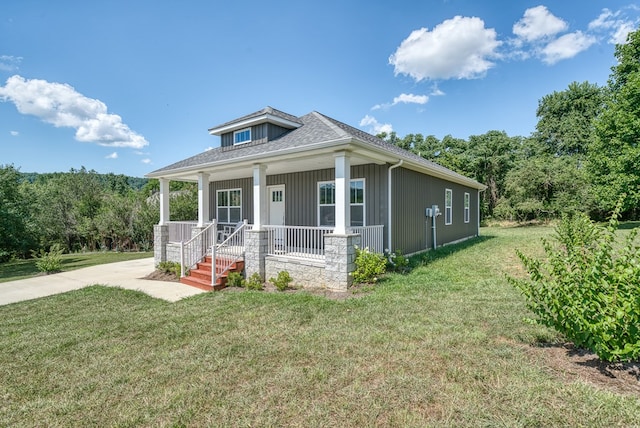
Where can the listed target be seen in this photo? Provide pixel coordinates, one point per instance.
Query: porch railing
(297, 241)
(194, 250)
(180, 231)
(228, 252)
(372, 237)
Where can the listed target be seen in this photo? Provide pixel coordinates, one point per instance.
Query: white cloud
(374, 126)
(538, 23)
(146, 161)
(566, 46)
(14, 133)
(113, 155)
(458, 48)
(617, 26)
(62, 106)
(410, 99)
(9, 63)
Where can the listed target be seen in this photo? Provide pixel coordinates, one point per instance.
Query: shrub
(397, 262)
(235, 279)
(254, 282)
(170, 267)
(49, 262)
(369, 266)
(282, 281)
(588, 287)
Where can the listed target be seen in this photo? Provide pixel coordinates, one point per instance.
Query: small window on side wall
(448, 204)
(467, 206)
(242, 136)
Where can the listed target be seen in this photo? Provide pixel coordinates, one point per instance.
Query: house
(299, 193)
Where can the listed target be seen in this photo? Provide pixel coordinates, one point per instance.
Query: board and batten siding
(259, 134)
(301, 193)
(413, 193)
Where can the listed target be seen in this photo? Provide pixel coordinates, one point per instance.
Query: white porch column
(164, 201)
(259, 196)
(203, 198)
(343, 187)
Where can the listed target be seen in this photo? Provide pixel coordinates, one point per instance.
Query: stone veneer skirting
(305, 273)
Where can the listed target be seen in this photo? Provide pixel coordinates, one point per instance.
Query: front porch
(314, 256)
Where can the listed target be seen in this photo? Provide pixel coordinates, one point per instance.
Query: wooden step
(200, 276)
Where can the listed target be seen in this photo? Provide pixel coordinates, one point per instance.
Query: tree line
(584, 155)
(82, 210)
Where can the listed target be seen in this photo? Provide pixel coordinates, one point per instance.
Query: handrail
(194, 250)
(228, 252)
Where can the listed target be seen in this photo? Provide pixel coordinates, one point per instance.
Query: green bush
(369, 266)
(588, 287)
(235, 279)
(254, 282)
(170, 267)
(282, 281)
(397, 262)
(49, 262)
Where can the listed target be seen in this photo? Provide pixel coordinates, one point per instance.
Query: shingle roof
(315, 128)
(267, 110)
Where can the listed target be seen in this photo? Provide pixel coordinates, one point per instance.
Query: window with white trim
(327, 203)
(448, 204)
(242, 136)
(467, 205)
(229, 206)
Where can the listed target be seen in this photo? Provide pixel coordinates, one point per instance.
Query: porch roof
(308, 147)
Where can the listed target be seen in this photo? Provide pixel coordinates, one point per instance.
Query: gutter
(389, 201)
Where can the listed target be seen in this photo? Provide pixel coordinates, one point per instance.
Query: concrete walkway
(127, 275)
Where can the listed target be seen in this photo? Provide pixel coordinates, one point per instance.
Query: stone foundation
(304, 273)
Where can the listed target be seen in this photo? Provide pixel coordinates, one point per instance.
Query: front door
(276, 214)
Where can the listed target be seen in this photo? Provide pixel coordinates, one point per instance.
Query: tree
(16, 230)
(565, 119)
(614, 155)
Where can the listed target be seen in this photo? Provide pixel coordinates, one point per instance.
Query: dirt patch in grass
(160, 275)
(571, 364)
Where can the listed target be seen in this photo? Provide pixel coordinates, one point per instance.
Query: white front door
(276, 214)
(276, 205)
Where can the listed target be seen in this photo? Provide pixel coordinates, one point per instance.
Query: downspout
(389, 202)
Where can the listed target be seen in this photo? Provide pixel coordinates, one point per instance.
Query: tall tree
(566, 118)
(614, 156)
(16, 231)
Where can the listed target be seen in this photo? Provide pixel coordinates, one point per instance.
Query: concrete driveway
(127, 275)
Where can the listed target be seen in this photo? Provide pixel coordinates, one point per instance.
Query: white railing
(297, 241)
(228, 252)
(372, 237)
(194, 250)
(180, 231)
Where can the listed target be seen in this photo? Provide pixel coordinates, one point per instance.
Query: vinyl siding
(413, 193)
(259, 134)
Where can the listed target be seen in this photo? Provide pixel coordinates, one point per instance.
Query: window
(242, 136)
(229, 204)
(467, 204)
(327, 203)
(448, 203)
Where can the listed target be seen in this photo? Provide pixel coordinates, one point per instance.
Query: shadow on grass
(430, 256)
(628, 225)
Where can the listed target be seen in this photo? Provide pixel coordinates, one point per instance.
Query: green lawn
(20, 269)
(442, 346)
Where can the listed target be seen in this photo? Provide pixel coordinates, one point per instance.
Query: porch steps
(200, 277)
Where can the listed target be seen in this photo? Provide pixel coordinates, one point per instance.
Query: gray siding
(259, 134)
(301, 193)
(413, 193)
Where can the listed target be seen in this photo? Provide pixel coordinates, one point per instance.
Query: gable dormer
(255, 128)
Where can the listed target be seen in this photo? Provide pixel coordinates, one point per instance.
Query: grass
(20, 269)
(444, 345)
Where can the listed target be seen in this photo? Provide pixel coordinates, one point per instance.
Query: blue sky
(131, 86)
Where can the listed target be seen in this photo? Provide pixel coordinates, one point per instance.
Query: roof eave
(263, 118)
